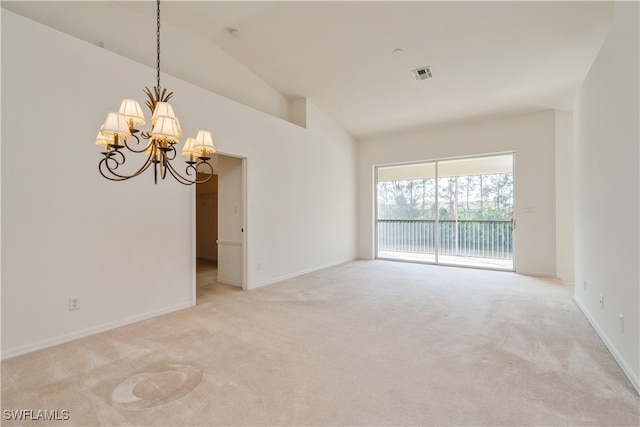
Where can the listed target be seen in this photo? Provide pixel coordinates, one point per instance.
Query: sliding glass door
(406, 212)
(456, 212)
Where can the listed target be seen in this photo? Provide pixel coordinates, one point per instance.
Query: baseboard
(567, 282)
(50, 342)
(536, 274)
(296, 274)
(633, 379)
(231, 282)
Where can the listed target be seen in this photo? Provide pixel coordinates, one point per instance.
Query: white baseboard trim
(61, 339)
(633, 379)
(536, 274)
(568, 282)
(227, 281)
(296, 274)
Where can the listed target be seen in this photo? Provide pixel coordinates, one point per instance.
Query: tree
(479, 197)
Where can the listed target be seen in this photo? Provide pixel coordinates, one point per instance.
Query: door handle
(513, 224)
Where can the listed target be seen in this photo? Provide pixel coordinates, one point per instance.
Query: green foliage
(476, 197)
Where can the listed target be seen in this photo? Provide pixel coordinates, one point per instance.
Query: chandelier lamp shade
(120, 136)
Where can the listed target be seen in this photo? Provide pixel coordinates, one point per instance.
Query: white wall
(564, 197)
(125, 249)
(307, 206)
(208, 65)
(607, 232)
(531, 137)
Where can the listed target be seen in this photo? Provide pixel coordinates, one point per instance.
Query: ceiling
(488, 58)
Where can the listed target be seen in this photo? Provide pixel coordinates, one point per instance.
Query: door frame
(243, 187)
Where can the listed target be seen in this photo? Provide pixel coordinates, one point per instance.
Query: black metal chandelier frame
(160, 152)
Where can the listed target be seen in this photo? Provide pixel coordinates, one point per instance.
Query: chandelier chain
(165, 133)
(158, 45)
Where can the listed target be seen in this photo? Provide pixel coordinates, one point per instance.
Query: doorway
(220, 242)
(207, 229)
(451, 212)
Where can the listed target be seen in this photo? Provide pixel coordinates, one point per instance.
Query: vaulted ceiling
(488, 58)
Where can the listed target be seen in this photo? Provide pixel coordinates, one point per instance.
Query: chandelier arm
(109, 178)
(155, 171)
(186, 181)
(126, 144)
(168, 154)
(116, 157)
(171, 149)
(156, 166)
(164, 165)
(125, 177)
(181, 179)
(209, 172)
(104, 162)
(146, 165)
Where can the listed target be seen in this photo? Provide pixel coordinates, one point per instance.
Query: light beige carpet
(363, 343)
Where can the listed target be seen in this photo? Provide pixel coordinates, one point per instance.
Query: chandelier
(157, 144)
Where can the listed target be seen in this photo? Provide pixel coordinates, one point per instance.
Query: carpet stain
(162, 385)
(364, 343)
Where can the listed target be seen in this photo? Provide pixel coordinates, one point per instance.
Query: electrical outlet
(74, 303)
(259, 266)
(585, 286)
(621, 323)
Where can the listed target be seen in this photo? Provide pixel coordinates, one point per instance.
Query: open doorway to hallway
(207, 229)
(220, 217)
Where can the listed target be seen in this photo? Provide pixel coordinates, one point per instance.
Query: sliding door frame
(436, 163)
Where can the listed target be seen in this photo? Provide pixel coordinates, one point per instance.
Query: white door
(230, 220)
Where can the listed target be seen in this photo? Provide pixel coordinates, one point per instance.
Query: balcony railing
(472, 238)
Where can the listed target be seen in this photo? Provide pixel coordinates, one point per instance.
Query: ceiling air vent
(422, 73)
